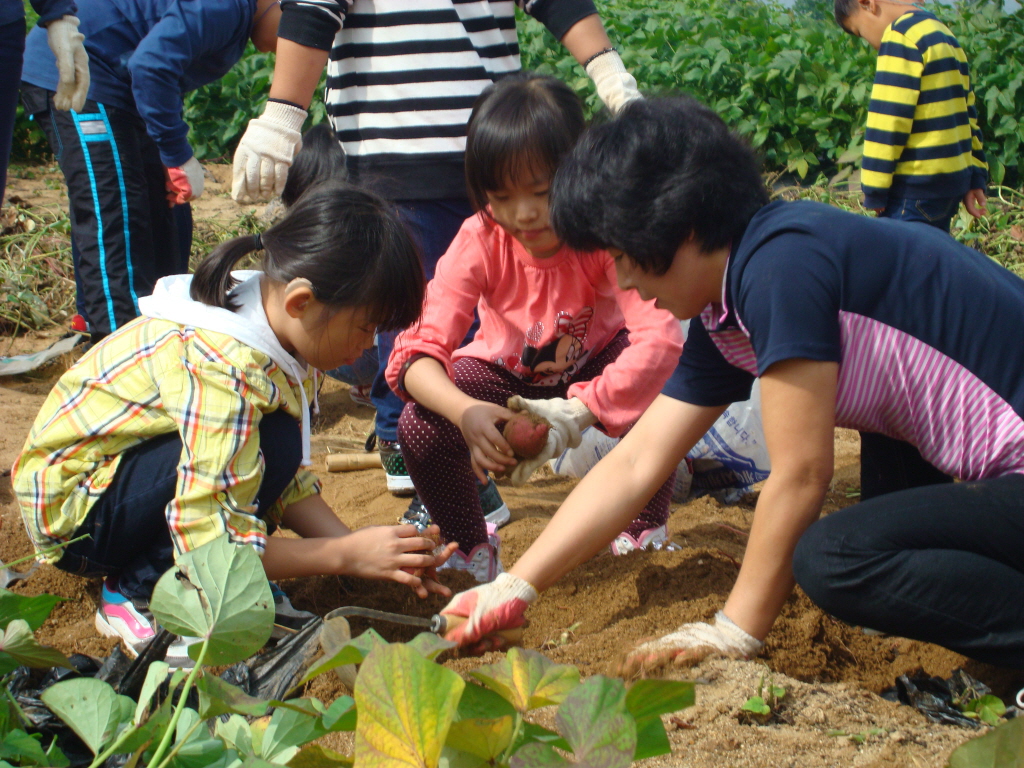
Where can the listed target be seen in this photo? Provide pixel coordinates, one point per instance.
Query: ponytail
(212, 281)
(348, 243)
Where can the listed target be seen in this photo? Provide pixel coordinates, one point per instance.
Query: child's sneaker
(483, 561)
(360, 394)
(651, 539)
(287, 618)
(118, 617)
(78, 324)
(399, 482)
(496, 511)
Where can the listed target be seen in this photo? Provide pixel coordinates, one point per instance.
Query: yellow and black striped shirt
(922, 138)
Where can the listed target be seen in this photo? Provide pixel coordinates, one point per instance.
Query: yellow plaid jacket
(151, 378)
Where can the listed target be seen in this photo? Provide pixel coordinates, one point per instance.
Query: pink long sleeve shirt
(542, 320)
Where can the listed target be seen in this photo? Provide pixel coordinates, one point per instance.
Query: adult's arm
(798, 400)
(615, 491)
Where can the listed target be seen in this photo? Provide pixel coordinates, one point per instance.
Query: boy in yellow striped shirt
(922, 149)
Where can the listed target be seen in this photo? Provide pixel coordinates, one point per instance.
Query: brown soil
(831, 671)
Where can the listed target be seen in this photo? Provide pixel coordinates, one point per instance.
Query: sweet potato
(526, 434)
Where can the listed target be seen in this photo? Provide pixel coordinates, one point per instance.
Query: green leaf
(90, 708)
(486, 739)
(651, 738)
(22, 748)
(155, 676)
(287, 731)
(989, 709)
(198, 750)
(538, 755)
(224, 596)
(659, 697)
(218, 697)
(19, 646)
(33, 610)
(595, 722)
(406, 705)
(341, 715)
(1002, 747)
(480, 702)
(316, 756)
(529, 679)
(757, 705)
(429, 645)
(353, 652)
(533, 732)
(236, 734)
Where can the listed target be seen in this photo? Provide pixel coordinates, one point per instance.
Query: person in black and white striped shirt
(402, 79)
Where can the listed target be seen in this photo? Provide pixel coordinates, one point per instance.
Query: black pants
(124, 231)
(940, 563)
(128, 525)
(12, 46)
(888, 465)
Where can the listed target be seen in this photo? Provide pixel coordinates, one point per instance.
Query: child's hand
(976, 203)
(487, 446)
(382, 551)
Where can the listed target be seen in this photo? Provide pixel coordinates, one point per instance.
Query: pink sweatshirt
(542, 319)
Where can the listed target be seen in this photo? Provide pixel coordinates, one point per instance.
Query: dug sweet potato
(526, 434)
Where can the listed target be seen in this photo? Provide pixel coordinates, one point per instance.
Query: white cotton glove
(185, 182)
(265, 153)
(489, 608)
(615, 86)
(568, 419)
(67, 44)
(690, 644)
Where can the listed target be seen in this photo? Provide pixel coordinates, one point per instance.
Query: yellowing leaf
(529, 679)
(406, 705)
(484, 738)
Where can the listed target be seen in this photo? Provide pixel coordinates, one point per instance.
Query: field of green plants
(788, 78)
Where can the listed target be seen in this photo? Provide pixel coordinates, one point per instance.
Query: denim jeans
(128, 524)
(937, 212)
(433, 225)
(362, 372)
(942, 563)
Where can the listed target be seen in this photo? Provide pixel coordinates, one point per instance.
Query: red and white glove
(265, 153)
(615, 86)
(690, 644)
(568, 419)
(184, 183)
(490, 608)
(68, 46)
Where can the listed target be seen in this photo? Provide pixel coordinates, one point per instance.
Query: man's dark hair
(844, 9)
(662, 170)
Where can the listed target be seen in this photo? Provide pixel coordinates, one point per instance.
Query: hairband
(257, 240)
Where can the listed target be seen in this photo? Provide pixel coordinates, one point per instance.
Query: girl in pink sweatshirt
(557, 335)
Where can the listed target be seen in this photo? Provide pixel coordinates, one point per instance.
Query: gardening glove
(265, 152)
(690, 644)
(66, 42)
(568, 419)
(490, 608)
(615, 86)
(184, 183)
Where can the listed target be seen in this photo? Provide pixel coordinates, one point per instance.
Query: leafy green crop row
(789, 79)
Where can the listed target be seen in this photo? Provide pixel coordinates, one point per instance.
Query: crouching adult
(871, 324)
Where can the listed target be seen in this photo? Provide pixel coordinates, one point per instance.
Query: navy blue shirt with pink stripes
(928, 333)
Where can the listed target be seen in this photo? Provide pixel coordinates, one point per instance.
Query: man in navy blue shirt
(125, 154)
(58, 18)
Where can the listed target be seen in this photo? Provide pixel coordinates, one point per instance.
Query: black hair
(350, 244)
(523, 123)
(844, 9)
(643, 182)
(320, 159)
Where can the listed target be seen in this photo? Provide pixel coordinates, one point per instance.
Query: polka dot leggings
(437, 456)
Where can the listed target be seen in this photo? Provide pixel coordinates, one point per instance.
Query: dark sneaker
(399, 482)
(496, 511)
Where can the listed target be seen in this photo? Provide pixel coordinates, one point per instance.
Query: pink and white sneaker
(652, 539)
(118, 617)
(483, 561)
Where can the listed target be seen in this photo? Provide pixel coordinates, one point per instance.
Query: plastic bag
(726, 462)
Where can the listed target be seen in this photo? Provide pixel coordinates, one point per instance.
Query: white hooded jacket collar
(170, 300)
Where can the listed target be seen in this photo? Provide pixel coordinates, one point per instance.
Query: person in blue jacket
(57, 18)
(125, 153)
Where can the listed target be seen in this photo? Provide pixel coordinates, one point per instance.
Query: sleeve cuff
(307, 27)
(559, 16)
